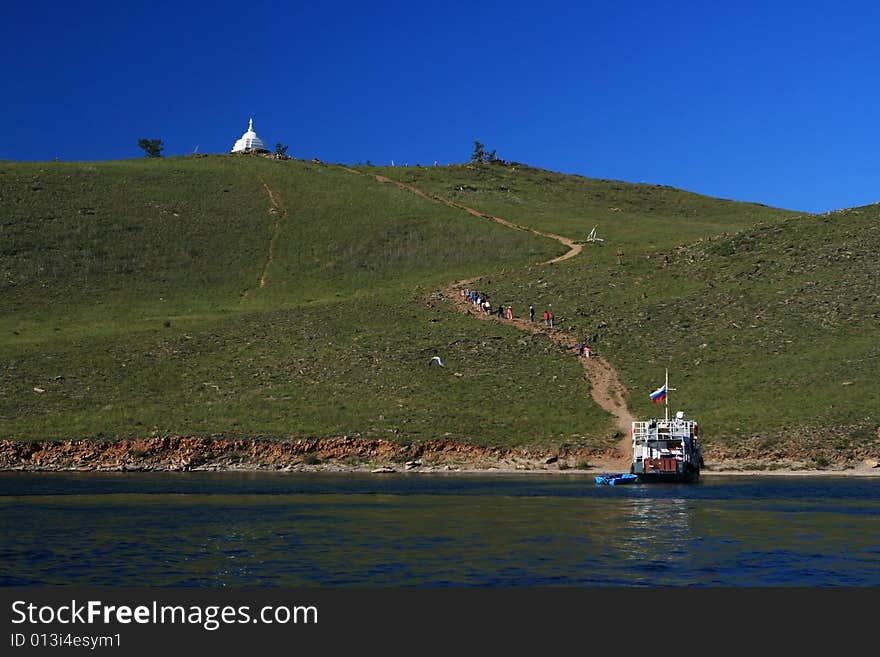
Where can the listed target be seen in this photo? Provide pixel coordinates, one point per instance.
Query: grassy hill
(767, 320)
(243, 296)
(131, 298)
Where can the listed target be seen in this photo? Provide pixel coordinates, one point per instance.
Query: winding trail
(573, 247)
(276, 209)
(605, 386)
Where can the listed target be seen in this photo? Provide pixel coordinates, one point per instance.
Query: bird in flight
(438, 360)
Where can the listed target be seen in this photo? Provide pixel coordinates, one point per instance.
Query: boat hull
(676, 472)
(665, 477)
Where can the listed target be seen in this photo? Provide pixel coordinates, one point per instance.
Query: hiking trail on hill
(605, 386)
(276, 210)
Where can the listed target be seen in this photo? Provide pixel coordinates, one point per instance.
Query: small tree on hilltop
(280, 151)
(152, 147)
(479, 154)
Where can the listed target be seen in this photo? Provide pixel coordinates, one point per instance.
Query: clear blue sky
(773, 102)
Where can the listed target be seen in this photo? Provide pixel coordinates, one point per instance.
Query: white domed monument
(249, 142)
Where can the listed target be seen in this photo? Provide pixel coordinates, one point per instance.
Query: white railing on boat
(658, 439)
(663, 430)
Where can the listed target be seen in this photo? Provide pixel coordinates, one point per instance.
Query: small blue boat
(615, 479)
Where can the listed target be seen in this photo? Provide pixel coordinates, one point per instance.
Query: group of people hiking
(584, 349)
(480, 300)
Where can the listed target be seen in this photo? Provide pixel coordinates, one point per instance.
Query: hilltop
(235, 298)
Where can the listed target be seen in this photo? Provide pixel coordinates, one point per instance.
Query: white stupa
(249, 142)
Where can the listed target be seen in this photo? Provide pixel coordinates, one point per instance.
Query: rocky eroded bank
(184, 454)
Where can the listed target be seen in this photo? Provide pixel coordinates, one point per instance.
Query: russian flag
(659, 394)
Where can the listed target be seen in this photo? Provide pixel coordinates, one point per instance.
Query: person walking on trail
(586, 351)
(551, 320)
(509, 312)
(546, 318)
(581, 346)
(531, 313)
(500, 311)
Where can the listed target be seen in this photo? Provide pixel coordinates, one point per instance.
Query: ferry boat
(666, 449)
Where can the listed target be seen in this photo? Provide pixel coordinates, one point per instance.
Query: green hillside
(131, 297)
(244, 296)
(768, 323)
(629, 216)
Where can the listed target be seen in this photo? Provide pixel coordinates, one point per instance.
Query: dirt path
(276, 210)
(573, 248)
(605, 386)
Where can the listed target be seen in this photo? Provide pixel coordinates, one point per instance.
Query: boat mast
(666, 399)
(668, 390)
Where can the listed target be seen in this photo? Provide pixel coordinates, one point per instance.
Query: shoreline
(856, 471)
(356, 455)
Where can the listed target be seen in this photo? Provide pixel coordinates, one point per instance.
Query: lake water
(283, 529)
